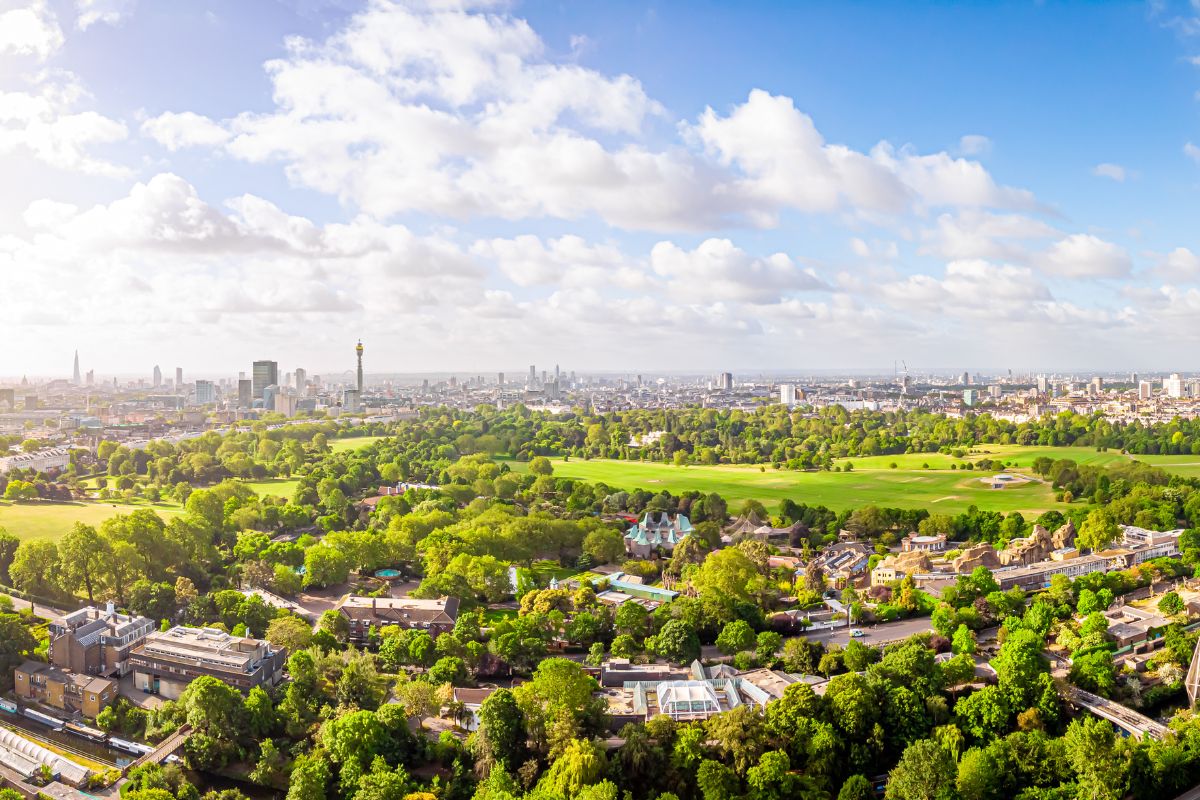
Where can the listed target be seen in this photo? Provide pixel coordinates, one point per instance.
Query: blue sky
(618, 186)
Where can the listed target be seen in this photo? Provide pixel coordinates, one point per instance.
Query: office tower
(532, 376)
(266, 373)
(179, 379)
(91, 377)
(157, 377)
(285, 404)
(639, 381)
(245, 393)
(996, 391)
(904, 384)
(1043, 384)
(206, 393)
(1173, 386)
(1133, 378)
(1097, 385)
(351, 401)
(556, 373)
(787, 394)
(31, 402)
(968, 397)
(726, 381)
(75, 377)
(359, 351)
(301, 379)
(425, 385)
(1144, 390)
(500, 380)
(268, 396)
(966, 379)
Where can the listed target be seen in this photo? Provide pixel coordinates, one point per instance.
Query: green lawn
(43, 520)
(353, 443)
(277, 487)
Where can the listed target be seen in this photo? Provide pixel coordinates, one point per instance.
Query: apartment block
(165, 663)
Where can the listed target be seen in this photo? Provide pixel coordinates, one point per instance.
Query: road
(42, 609)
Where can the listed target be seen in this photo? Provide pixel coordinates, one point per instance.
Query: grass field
(277, 487)
(353, 443)
(921, 480)
(41, 520)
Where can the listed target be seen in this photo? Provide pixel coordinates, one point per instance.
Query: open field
(940, 490)
(277, 487)
(44, 520)
(353, 443)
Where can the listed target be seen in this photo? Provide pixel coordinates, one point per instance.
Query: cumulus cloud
(448, 110)
(1192, 151)
(109, 12)
(1111, 171)
(186, 129)
(44, 123)
(717, 270)
(1082, 255)
(972, 233)
(31, 29)
(974, 145)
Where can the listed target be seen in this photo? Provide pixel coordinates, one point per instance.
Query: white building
(40, 461)
(787, 394)
(1173, 386)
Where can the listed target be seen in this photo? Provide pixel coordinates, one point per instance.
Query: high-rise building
(1097, 385)
(91, 377)
(996, 391)
(968, 397)
(1145, 389)
(157, 382)
(75, 375)
(285, 404)
(532, 376)
(179, 379)
(206, 393)
(726, 383)
(266, 373)
(351, 401)
(1043, 384)
(245, 393)
(268, 396)
(301, 379)
(359, 351)
(1173, 386)
(787, 394)
(966, 379)
(8, 397)
(500, 380)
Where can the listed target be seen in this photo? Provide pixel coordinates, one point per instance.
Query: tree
(632, 619)
(677, 642)
(605, 545)
(335, 624)
(290, 633)
(766, 645)
(1099, 757)
(16, 644)
(736, 637)
(260, 713)
(581, 764)
(82, 552)
(925, 772)
(857, 787)
(541, 465)
(1098, 531)
(309, 778)
(963, 641)
(449, 669)
(354, 739)
(1094, 672)
(36, 568)
(502, 728)
(325, 565)
(984, 713)
(213, 707)
(1171, 604)
(8, 550)
(419, 699)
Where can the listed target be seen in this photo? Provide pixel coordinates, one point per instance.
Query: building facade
(165, 663)
(63, 689)
(654, 532)
(96, 641)
(375, 613)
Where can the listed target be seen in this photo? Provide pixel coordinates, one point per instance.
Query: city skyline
(643, 188)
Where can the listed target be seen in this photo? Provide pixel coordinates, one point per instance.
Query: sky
(618, 186)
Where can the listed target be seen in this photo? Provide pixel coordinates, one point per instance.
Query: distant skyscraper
(178, 379)
(301, 379)
(966, 379)
(1145, 389)
(206, 393)
(359, 351)
(91, 377)
(968, 397)
(500, 379)
(1173, 385)
(8, 397)
(1043, 384)
(726, 383)
(266, 373)
(157, 377)
(532, 376)
(245, 393)
(787, 394)
(351, 401)
(76, 379)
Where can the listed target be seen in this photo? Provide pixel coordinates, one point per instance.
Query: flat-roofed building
(165, 663)
(96, 641)
(39, 461)
(63, 689)
(366, 613)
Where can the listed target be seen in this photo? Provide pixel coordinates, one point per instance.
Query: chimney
(112, 609)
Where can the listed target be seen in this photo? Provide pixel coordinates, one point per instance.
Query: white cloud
(528, 261)
(971, 233)
(974, 145)
(109, 12)
(1113, 171)
(30, 30)
(43, 122)
(177, 131)
(717, 270)
(440, 110)
(1192, 151)
(1085, 256)
(1181, 265)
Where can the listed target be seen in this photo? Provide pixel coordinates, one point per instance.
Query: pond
(388, 573)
